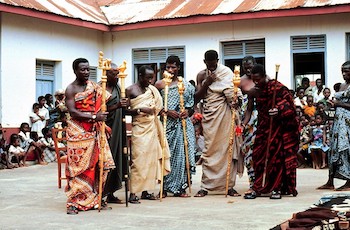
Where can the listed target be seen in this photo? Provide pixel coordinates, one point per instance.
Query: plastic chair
(59, 138)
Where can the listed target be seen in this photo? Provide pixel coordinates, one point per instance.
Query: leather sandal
(134, 199)
(275, 195)
(201, 193)
(181, 194)
(71, 210)
(148, 196)
(233, 192)
(250, 195)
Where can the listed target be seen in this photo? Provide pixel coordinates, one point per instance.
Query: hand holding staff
(270, 128)
(236, 82)
(181, 89)
(167, 78)
(104, 64)
(122, 77)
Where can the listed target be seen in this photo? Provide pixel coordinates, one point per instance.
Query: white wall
(23, 40)
(277, 33)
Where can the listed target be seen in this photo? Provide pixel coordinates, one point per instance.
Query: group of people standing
(261, 107)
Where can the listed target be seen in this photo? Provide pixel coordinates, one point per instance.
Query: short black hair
(45, 130)
(142, 70)
(13, 138)
(40, 98)
(336, 86)
(345, 63)
(77, 61)
(22, 125)
(249, 58)
(35, 105)
(211, 55)
(259, 69)
(173, 59)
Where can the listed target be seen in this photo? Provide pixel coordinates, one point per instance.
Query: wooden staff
(270, 128)
(181, 89)
(104, 65)
(122, 77)
(236, 82)
(167, 78)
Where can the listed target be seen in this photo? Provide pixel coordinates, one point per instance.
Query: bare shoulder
(201, 75)
(159, 84)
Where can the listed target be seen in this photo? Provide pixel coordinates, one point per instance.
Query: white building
(40, 39)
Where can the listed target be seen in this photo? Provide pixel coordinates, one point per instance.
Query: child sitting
(302, 154)
(49, 145)
(16, 153)
(318, 146)
(39, 149)
(310, 109)
(28, 144)
(4, 162)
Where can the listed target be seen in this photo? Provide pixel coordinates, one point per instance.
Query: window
(156, 57)
(308, 55)
(45, 77)
(235, 51)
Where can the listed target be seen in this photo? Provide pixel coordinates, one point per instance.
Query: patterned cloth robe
(216, 123)
(176, 181)
(282, 158)
(83, 149)
(338, 158)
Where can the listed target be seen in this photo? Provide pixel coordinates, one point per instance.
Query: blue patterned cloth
(339, 162)
(176, 181)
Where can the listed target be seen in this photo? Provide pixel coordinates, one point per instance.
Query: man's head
(49, 98)
(211, 59)
(300, 92)
(345, 69)
(247, 64)
(146, 74)
(81, 69)
(173, 65)
(319, 84)
(258, 75)
(24, 127)
(112, 74)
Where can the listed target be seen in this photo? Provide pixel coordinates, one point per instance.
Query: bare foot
(326, 186)
(345, 187)
(43, 163)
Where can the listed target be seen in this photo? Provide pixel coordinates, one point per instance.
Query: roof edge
(198, 19)
(53, 17)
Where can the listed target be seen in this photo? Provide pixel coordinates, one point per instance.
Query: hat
(59, 92)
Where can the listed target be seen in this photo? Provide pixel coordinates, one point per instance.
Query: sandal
(275, 195)
(233, 192)
(148, 196)
(134, 199)
(182, 194)
(201, 193)
(251, 195)
(71, 210)
(165, 194)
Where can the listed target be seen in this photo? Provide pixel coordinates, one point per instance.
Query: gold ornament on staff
(236, 82)
(104, 65)
(122, 76)
(181, 90)
(167, 79)
(270, 128)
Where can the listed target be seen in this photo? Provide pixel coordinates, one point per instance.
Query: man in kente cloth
(215, 87)
(281, 165)
(83, 100)
(176, 182)
(114, 121)
(147, 136)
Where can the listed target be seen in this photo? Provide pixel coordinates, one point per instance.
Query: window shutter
(233, 49)
(308, 43)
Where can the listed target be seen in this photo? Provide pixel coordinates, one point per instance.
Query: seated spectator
(310, 109)
(318, 146)
(48, 145)
(39, 150)
(326, 100)
(16, 153)
(4, 162)
(302, 154)
(300, 100)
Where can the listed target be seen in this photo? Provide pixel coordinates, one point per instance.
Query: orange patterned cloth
(83, 149)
